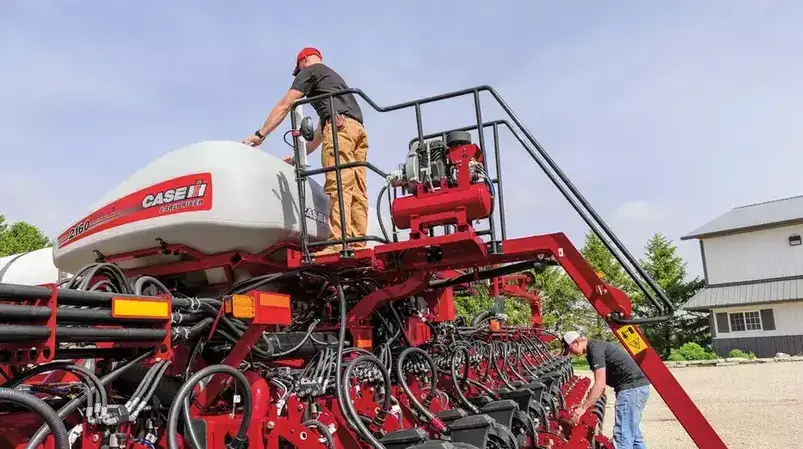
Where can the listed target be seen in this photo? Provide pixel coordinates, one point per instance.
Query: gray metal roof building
(753, 266)
(782, 212)
(746, 294)
(751, 217)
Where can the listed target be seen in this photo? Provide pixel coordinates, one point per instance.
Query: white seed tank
(31, 268)
(213, 197)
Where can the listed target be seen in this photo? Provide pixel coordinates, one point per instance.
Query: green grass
(580, 363)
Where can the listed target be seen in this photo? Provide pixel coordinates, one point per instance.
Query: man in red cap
(313, 78)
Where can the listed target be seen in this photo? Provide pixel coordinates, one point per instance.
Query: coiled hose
(430, 417)
(364, 431)
(186, 389)
(52, 419)
(322, 429)
(499, 371)
(513, 369)
(455, 357)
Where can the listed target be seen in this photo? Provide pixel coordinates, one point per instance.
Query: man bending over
(613, 366)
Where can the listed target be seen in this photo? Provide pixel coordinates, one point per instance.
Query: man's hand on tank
(253, 141)
(290, 160)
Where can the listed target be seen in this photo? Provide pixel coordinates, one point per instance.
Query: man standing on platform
(313, 78)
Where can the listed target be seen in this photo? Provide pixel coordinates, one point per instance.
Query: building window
(745, 321)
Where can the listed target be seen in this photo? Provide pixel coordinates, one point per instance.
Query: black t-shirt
(621, 371)
(319, 79)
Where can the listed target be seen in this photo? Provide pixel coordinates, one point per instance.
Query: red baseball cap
(309, 51)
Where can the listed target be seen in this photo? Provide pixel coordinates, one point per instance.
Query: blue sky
(663, 114)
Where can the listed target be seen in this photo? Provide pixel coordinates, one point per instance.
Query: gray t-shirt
(319, 79)
(621, 371)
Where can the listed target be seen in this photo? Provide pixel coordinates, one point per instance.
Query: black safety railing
(631, 266)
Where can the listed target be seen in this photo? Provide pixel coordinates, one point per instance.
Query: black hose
(186, 389)
(509, 364)
(480, 317)
(199, 327)
(300, 343)
(100, 392)
(474, 410)
(52, 419)
(185, 411)
(143, 384)
(403, 382)
(194, 441)
(499, 371)
(70, 407)
(364, 431)
(324, 431)
(148, 392)
(379, 212)
(139, 286)
(341, 339)
(526, 364)
(399, 322)
(483, 387)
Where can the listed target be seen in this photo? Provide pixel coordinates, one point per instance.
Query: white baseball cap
(570, 337)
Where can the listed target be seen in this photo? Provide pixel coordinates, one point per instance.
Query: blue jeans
(629, 406)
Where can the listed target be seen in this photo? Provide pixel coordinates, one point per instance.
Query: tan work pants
(352, 144)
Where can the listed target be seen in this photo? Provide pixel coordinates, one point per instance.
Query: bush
(693, 351)
(674, 356)
(738, 353)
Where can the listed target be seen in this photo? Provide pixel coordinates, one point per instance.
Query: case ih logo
(173, 199)
(189, 193)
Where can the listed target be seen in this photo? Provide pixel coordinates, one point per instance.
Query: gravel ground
(751, 406)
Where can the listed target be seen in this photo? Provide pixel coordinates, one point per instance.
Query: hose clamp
(195, 304)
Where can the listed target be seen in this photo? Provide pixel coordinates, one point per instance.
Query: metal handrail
(536, 151)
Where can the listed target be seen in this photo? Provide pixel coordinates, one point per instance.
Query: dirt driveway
(752, 406)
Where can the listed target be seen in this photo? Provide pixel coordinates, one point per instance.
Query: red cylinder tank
(476, 199)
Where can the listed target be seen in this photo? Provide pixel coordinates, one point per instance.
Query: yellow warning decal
(632, 339)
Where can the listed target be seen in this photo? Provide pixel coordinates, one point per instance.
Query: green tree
(469, 305)
(612, 273)
(561, 300)
(20, 237)
(602, 261)
(668, 270)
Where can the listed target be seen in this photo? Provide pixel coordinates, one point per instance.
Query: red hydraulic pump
(448, 185)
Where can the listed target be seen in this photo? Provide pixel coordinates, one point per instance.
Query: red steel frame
(406, 267)
(464, 250)
(604, 298)
(515, 286)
